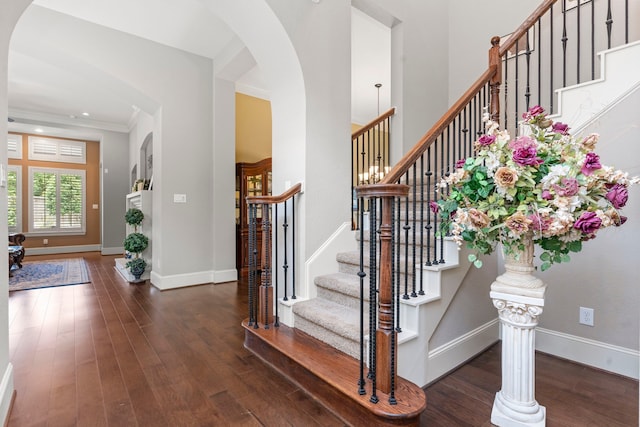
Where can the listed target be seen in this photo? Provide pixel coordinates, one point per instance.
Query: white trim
(112, 251)
(449, 356)
(223, 276)
(6, 394)
(17, 153)
(18, 171)
(324, 258)
(181, 280)
(253, 91)
(608, 357)
(61, 249)
(54, 150)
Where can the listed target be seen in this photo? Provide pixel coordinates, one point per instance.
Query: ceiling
(43, 91)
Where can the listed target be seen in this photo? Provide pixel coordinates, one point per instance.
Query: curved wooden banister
(402, 166)
(271, 200)
(526, 25)
(373, 123)
(380, 190)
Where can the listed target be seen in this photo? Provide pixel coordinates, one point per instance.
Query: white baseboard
(190, 279)
(449, 356)
(6, 394)
(112, 251)
(222, 276)
(48, 250)
(608, 357)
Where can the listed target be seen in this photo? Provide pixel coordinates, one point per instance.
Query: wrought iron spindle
(361, 276)
(285, 266)
(406, 229)
(422, 208)
(293, 248)
(527, 92)
(609, 23)
(373, 300)
(266, 267)
(413, 233)
(253, 321)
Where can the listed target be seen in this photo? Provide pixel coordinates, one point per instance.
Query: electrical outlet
(45, 241)
(586, 316)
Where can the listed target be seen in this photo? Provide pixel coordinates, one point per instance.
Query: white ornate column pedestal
(519, 298)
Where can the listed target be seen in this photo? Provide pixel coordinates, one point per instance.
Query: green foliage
(134, 217)
(137, 264)
(136, 242)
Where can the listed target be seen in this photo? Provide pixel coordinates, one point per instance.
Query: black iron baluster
(593, 41)
(436, 178)
(539, 46)
(564, 43)
(422, 207)
(373, 297)
(406, 229)
(395, 248)
(266, 267)
(527, 92)
(285, 266)
(429, 226)
(626, 21)
(361, 275)
(609, 23)
(413, 232)
(516, 81)
(275, 261)
(505, 78)
(578, 42)
(293, 247)
(442, 175)
(551, 91)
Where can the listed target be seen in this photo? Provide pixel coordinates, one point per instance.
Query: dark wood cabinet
(252, 179)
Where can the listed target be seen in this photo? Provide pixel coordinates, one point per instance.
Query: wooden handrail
(403, 165)
(272, 200)
(525, 26)
(373, 123)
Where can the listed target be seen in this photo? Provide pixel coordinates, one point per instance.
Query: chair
(16, 250)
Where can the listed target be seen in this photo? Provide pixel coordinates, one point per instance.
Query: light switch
(95, 206)
(179, 198)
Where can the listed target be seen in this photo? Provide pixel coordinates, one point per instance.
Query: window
(56, 200)
(57, 150)
(14, 146)
(14, 198)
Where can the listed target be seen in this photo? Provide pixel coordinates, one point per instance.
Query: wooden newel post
(386, 337)
(265, 303)
(496, 80)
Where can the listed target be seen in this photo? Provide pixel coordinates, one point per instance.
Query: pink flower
(486, 140)
(546, 195)
(434, 207)
(527, 156)
(533, 112)
(539, 223)
(568, 188)
(591, 164)
(522, 142)
(588, 223)
(460, 163)
(560, 128)
(618, 196)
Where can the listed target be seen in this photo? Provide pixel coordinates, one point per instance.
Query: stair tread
(348, 284)
(326, 371)
(337, 318)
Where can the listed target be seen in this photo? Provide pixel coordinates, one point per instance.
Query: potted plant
(134, 217)
(135, 243)
(137, 267)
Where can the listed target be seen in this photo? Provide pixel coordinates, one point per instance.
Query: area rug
(45, 274)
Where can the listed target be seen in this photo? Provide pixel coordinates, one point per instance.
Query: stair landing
(331, 377)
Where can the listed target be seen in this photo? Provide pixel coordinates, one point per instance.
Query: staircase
(321, 349)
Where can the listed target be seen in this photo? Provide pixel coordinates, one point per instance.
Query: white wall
(472, 23)
(11, 11)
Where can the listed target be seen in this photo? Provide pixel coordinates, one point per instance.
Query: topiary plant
(136, 243)
(137, 267)
(134, 217)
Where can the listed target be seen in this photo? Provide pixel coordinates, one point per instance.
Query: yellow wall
(92, 236)
(253, 128)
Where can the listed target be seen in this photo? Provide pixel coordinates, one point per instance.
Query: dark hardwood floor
(114, 354)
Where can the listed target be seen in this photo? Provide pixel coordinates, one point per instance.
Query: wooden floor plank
(110, 353)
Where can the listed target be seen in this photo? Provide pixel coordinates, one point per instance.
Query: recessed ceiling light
(86, 114)
(38, 130)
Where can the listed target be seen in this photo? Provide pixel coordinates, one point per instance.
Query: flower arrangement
(546, 184)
